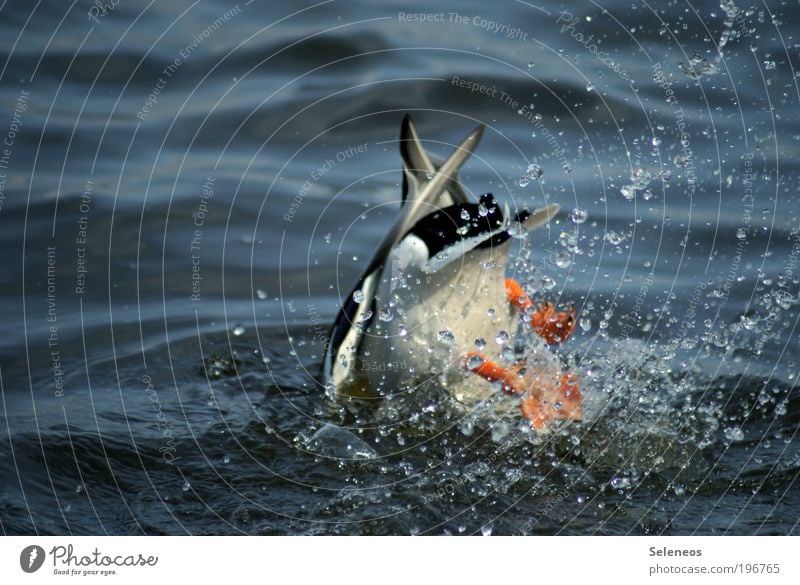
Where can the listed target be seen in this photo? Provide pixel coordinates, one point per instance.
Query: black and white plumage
(435, 287)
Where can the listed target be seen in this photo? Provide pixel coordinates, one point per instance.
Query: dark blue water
(189, 189)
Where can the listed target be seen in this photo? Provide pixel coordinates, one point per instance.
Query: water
(185, 203)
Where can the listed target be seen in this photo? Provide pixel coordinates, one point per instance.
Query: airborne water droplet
(446, 336)
(474, 361)
(261, 294)
(502, 337)
(579, 216)
(465, 214)
(563, 260)
(534, 172)
(239, 330)
(628, 191)
(358, 296)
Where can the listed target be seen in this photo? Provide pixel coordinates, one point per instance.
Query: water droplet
(769, 65)
(402, 330)
(534, 172)
(385, 314)
(474, 361)
(620, 483)
(628, 192)
(563, 260)
(480, 343)
(482, 211)
(585, 323)
(579, 215)
(486, 530)
(465, 214)
(680, 161)
(261, 294)
(358, 296)
(741, 234)
(502, 337)
(589, 86)
(734, 434)
(446, 336)
(614, 238)
(226, 459)
(429, 175)
(239, 329)
(524, 181)
(186, 486)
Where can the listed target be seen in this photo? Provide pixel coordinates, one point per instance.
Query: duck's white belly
(429, 322)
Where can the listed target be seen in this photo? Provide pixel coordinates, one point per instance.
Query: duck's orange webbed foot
(551, 326)
(511, 382)
(548, 405)
(544, 401)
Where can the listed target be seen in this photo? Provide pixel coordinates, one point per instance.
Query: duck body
(435, 294)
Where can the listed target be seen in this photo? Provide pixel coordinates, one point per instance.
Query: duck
(434, 304)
